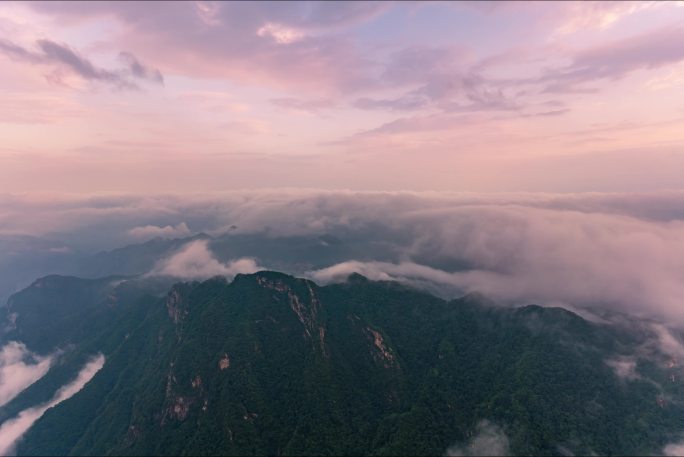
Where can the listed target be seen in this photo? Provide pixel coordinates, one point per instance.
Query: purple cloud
(617, 59)
(294, 44)
(52, 53)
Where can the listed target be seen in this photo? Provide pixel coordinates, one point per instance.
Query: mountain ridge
(269, 363)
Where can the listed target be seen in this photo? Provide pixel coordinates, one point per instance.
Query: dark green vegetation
(271, 364)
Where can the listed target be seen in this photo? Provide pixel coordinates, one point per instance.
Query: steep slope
(60, 310)
(72, 319)
(271, 364)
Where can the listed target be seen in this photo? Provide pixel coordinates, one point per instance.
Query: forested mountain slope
(272, 364)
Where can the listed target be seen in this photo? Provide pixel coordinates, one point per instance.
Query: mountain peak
(357, 278)
(263, 275)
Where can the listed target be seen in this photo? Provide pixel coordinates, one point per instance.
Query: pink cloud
(616, 59)
(332, 95)
(179, 40)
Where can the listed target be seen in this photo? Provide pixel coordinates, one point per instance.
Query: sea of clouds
(611, 252)
(620, 251)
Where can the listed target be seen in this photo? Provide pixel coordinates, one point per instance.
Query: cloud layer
(19, 368)
(372, 95)
(517, 253)
(617, 251)
(195, 261)
(12, 430)
(152, 231)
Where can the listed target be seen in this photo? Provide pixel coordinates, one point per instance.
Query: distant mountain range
(272, 364)
(31, 257)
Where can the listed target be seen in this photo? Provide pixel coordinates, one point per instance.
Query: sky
(462, 96)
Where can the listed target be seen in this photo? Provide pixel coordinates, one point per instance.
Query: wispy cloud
(674, 449)
(315, 105)
(19, 368)
(168, 231)
(195, 261)
(140, 70)
(615, 60)
(582, 15)
(289, 45)
(489, 439)
(624, 367)
(338, 86)
(61, 55)
(13, 429)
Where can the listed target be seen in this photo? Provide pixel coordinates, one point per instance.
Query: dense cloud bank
(620, 251)
(522, 253)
